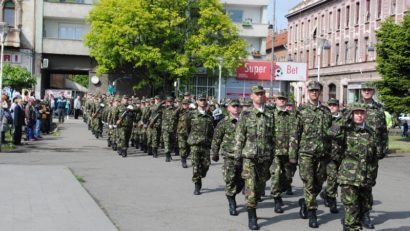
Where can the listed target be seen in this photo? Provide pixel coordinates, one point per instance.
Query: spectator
(77, 107)
(30, 119)
(18, 115)
(38, 112)
(405, 132)
(60, 105)
(68, 108)
(45, 116)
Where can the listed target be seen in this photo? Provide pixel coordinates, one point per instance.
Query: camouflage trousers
(143, 136)
(232, 177)
(124, 134)
(183, 145)
(97, 126)
(356, 201)
(134, 134)
(331, 181)
(201, 160)
(169, 141)
(154, 135)
(110, 134)
(312, 171)
(255, 174)
(281, 172)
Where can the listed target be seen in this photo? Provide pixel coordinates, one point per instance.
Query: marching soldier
(154, 125)
(222, 143)
(168, 127)
(309, 146)
(135, 141)
(281, 170)
(183, 130)
(199, 140)
(330, 193)
(144, 124)
(125, 119)
(254, 145)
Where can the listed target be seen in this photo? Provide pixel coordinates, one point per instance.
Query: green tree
(80, 79)
(159, 41)
(393, 64)
(17, 77)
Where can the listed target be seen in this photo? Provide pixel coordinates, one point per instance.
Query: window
(301, 56)
(393, 7)
(330, 22)
(379, 8)
(296, 33)
(346, 52)
(8, 13)
(308, 28)
(356, 51)
(366, 49)
(332, 91)
(347, 16)
(314, 58)
(235, 15)
(71, 31)
(322, 26)
(302, 27)
(357, 13)
(338, 19)
(290, 34)
(337, 53)
(295, 56)
(329, 56)
(307, 57)
(367, 10)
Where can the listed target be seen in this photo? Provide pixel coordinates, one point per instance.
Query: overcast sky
(282, 7)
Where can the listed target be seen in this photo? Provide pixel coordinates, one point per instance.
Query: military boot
(197, 190)
(289, 191)
(119, 151)
(109, 143)
(114, 146)
(149, 150)
(155, 152)
(183, 162)
(132, 143)
(176, 152)
(333, 205)
(124, 153)
(168, 157)
(137, 145)
(323, 195)
(232, 206)
(278, 205)
(367, 221)
(142, 147)
(252, 219)
(303, 213)
(313, 219)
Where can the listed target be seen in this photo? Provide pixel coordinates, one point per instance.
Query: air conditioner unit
(44, 63)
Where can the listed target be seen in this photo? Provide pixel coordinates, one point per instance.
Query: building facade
(336, 38)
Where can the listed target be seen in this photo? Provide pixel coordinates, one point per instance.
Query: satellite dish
(95, 80)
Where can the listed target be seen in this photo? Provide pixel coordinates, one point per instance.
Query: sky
(282, 7)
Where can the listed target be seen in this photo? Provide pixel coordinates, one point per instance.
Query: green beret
(202, 96)
(357, 107)
(368, 85)
(258, 89)
(246, 103)
(169, 98)
(234, 102)
(314, 85)
(187, 93)
(157, 97)
(333, 101)
(282, 94)
(186, 101)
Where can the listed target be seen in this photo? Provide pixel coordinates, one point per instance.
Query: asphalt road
(143, 193)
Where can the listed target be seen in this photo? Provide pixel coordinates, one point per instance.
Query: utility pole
(273, 47)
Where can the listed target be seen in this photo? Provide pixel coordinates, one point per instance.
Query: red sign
(254, 70)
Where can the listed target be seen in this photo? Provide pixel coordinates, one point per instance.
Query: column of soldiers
(260, 141)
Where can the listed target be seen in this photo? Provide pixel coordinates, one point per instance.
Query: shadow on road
(402, 228)
(385, 216)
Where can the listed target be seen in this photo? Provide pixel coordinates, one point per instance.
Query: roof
(281, 39)
(304, 5)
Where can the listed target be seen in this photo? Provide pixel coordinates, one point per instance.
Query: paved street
(142, 193)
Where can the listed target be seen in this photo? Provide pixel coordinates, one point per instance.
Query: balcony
(57, 9)
(253, 30)
(64, 47)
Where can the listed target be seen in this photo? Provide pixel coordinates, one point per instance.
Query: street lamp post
(273, 47)
(3, 33)
(322, 44)
(220, 64)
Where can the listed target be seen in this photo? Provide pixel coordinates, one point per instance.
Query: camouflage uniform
(144, 123)
(182, 132)
(125, 119)
(254, 143)
(154, 127)
(309, 145)
(135, 128)
(281, 170)
(169, 115)
(199, 140)
(222, 143)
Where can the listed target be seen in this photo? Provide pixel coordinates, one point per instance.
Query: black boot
(197, 190)
(132, 143)
(183, 162)
(312, 219)
(252, 219)
(142, 148)
(332, 205)
(176, 152)
(323, 195)
(289, 191)
(367, 222)
(278, 206)
(303, 213)
(155, 152)
(124, 153)
(109, 143)
(232, 206)
(137, 145)
(168, 157)
(119, 151)
(149, 151)
(114, 146)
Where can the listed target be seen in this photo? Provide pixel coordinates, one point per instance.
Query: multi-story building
(336, 38)
(251, 17)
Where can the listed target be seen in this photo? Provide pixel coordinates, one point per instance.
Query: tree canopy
(393, 63)
(17, 77)
(162, 40)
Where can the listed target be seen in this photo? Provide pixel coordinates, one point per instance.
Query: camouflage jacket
(155, 118)
(169, 118)
(310, 137)
(202, 129)
(126, 116)
(224, 136)
(255, 135)
(146, 113)
(112, 115)
(337, 145)
(284, 128)
(359, 160)
(183, 121)
(376, 119)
